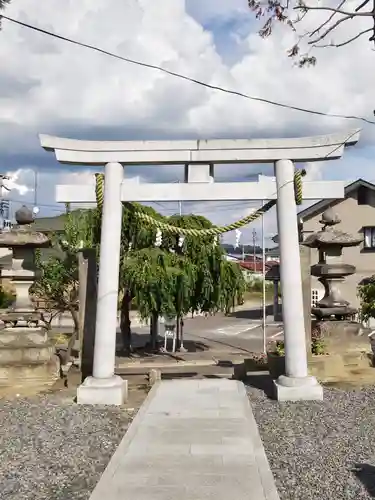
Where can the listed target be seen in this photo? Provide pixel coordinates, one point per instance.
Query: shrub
(6, 298)
(318, 345)
(366, 293)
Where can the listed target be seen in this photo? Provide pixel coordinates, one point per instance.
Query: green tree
(135, 236)
(179, 277)
(58, 283)
(168, 281)
(161, 283)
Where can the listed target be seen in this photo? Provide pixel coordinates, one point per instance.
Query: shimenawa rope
(214, 231)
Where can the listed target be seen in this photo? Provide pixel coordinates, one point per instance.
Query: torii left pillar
(104, 387)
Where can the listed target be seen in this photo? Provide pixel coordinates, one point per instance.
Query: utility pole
(4, 204)
(35, 188)
(35, 207)
(264, 287)
(254, 243)
(180, 205)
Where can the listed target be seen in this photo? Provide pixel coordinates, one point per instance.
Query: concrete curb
(265, 473)
(101, 489)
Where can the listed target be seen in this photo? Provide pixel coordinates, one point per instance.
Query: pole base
(107, 391)
(298, 389)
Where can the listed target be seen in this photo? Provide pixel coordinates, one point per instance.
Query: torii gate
(199, 158)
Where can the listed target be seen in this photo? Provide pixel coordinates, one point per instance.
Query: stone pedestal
(103, 391)
(26, 355)
(27, 358)
(298, 389)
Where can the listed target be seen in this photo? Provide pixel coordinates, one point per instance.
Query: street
(239, 332)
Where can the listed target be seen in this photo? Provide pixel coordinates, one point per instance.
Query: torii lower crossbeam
(223, 191)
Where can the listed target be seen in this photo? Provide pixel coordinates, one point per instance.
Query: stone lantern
(26, 354)
(330, 269)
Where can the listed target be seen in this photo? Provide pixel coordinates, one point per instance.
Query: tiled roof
(321, 205)
(256, 266)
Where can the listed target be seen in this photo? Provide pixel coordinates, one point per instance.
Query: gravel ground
(55, 450)
(314, 448)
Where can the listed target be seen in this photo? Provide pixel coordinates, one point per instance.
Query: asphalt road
(240, 331)
(223, 332)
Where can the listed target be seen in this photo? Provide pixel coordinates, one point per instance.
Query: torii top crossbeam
(72, 151)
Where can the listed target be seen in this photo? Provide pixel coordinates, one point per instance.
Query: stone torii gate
(199, 158)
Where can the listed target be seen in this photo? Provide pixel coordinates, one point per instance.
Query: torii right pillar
(296, 384)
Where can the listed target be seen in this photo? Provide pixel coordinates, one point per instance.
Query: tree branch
(331, 28)
(362, 5)
(328, 20)
(336, 11)
(372, 38)
(346, 42)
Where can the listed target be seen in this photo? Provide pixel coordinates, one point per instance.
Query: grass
(257, 296)
(60, 338)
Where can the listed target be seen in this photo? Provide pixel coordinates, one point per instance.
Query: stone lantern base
(27, 358)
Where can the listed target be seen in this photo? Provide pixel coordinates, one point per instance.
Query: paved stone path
(191, 439)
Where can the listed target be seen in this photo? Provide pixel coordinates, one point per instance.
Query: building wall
(270, 258)
(353, 218)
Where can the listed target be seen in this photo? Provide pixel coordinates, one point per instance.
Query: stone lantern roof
(330, 237)
(22, 235)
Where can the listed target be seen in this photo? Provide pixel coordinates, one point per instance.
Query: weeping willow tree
(175, 278)
(161, 283)
(135, 238)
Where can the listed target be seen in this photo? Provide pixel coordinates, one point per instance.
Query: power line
(26, 202)
(187, 78)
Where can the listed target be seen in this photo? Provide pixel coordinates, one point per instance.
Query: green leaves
(172, 279)
(160, 282)
(58, 283)
(366, 293)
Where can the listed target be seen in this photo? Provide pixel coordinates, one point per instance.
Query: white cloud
(63, 82)
(11, 184)
(50, 86)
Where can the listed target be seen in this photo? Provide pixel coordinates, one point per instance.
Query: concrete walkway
(191, 439)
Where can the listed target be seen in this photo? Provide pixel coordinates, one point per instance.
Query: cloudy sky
(48, 86)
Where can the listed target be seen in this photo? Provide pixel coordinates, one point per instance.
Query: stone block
(239, 371)
(154, 376)
(301, 392)
(94, 391)
(26, 354)
(23, 336)
(30, 374)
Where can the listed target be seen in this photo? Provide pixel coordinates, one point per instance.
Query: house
(357, 214)
(273, 255)
(232, 258)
